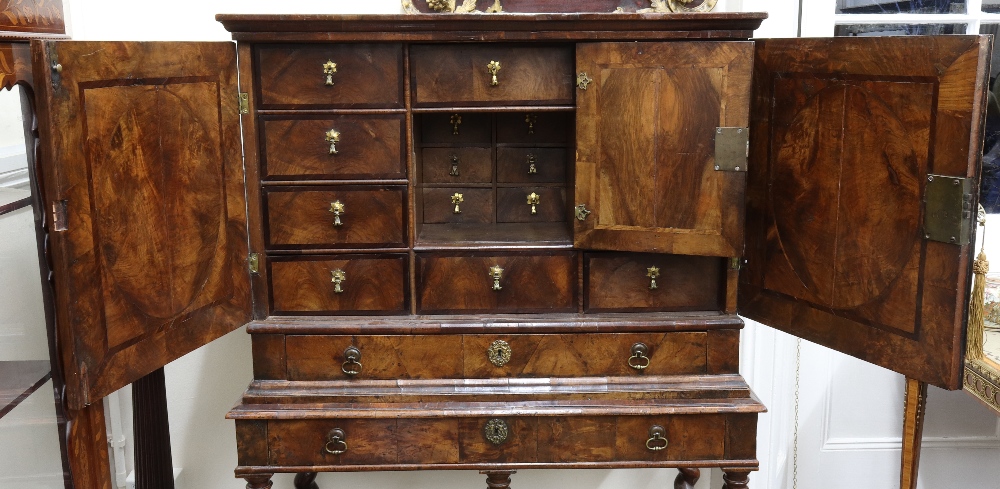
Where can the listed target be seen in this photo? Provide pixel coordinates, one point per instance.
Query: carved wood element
(258, 481)
(687, 478)
(498, 479)
(306, 480)
(26, 17)
(915, 403)
(735, 478)
(153, 462)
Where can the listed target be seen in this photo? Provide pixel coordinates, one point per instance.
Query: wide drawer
(339, 284)
(460, 75)
(303, 76)
(335, 217)
(334, 147)
(507, 282)
(623, 282)
(330, 357)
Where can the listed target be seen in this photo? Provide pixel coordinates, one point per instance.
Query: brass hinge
(735, 263)
(732, 147)
(244, 103)
(253, 263)
(582, 212)
(948, 209)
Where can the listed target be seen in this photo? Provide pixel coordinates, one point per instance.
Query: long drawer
(335, 217)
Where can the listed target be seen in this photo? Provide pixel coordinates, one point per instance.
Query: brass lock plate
(732, 145)
(948, 209)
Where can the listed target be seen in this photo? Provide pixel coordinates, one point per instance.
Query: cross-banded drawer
(335, 217)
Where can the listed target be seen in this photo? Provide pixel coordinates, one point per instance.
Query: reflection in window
(991, 6)
(911, 7)
(989, 189)
(860, 30)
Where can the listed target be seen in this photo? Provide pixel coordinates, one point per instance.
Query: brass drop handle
(457, 200)
(657, 438)
(352, 363)
(533, 201)
(338, 277)
(496, 273)
(333, 137)
(336, 442)
(640, 356)
(455, 121)
(337, 208)
(652, 273)
(493, 68)
(329, 68)
(531, 119)
(454, 166)
(532, 169)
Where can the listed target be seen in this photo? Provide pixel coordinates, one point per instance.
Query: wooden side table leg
(913, 431)
(735, 478)
(258, 481)
(306, 480)
(687, 478)
(498, 479)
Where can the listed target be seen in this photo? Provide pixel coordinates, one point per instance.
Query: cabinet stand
(687, 478)
(306, 480)
(498, 479)
(153, 461)
(915, 400)
(735, 478)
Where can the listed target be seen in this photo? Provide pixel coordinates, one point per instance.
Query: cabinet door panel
(646, 146)
(142, 173)
(845, 135)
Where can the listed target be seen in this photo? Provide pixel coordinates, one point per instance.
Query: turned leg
(306, 480)
(497, 479)
(258, 481)
(913, 430)
(735, 478)
(686, 478)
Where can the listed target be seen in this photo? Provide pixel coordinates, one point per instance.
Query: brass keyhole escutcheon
(657, 438)
(496, 431)
(640, 356)
(352, 361)
(496, 273)
(532, 169)
(454, 166)
(533, 201)
(493, 68)
(329, 68)
(336, 442)
(531, 119)
(456, 120)
(652, 273)
(337, 208)
(499, 353)
(333, 137)
(338, 277)
(457, 200)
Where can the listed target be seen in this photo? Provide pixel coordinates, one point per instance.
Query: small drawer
(622, 282)
(535, 128)
(296, 76)
(513, 282)
(461, 205)
(339, 284)
(456, 128)
(335, 217)
(531, 204)
(531, 165)
(316, 442)
(461, 75)
(457, 165)
(324, 357)
(334, 147)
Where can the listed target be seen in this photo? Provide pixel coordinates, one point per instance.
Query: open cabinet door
(864, 165)
(146, 208)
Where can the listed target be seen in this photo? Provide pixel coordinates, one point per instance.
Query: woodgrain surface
(373, 285)
(475, 165)
(474, 128)
(477, 206)
(619, 282)
(27, 17)
(546, 127)
(15, 65)
(368, 76)
(300, 217)
(512, 204)
(513, 165)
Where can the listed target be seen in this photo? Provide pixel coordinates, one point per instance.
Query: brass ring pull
(657, 439)
(640, 356)
(454, 166)
(652, 273)
(333, 137)
(352, 365)
(338, 277)
(496, 273)
(329, 68)
(493, 68)
(336, 442)
(337, 208)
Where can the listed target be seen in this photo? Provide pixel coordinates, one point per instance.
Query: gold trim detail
(982, 383)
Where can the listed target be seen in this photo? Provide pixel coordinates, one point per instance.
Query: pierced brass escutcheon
(338, 277)
(493, 68)
(531, 119)
(454, 166)
(457, 200)
(329, 68)
(499, 353)
(582, 212)
(352, 363)
(496, 431)
(532, 169)
(652, 273)
(496, 273)
(533, 200)
(639, 359)
(456, 120)
(657, 438)
(333, 137)
(336, 442)
(337, 208)
(582, 80)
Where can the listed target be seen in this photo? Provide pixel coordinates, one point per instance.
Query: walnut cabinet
(506, 241)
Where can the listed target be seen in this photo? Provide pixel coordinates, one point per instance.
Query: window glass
(911, 7)
(898, 29)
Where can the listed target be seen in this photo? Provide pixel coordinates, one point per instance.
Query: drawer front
(455, 128)
(306, 442)
(457, 165)
(621, 282)
(475, 206)
(360, 146)
(531, 165)
(295, 76)
(460, 75)
(531, 204)
(371, 284)
(335, 217)
(527, 282)
(322, 357)
(535, 128)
